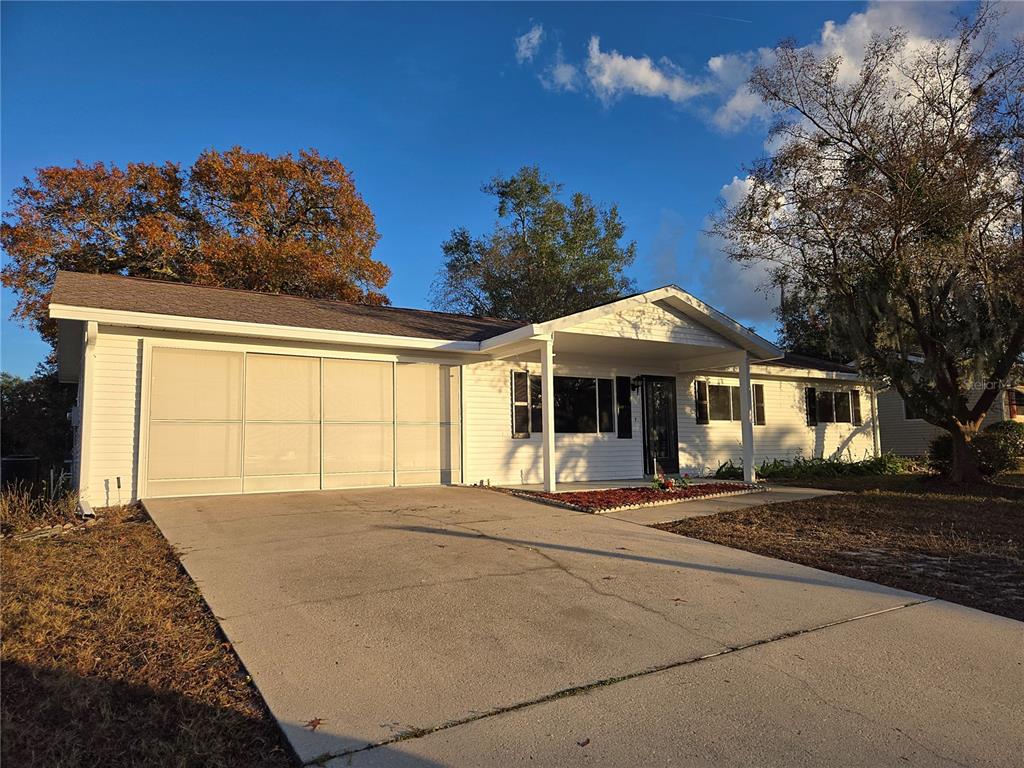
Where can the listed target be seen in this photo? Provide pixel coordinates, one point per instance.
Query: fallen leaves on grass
(110, 657)
(967, 547)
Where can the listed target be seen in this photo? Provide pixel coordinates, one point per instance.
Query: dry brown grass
(20, 509)
(111, 658)
(962, 544)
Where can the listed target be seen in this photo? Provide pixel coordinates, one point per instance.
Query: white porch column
(547, 408)
(747, 419)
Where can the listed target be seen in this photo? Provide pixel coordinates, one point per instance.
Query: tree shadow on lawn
(59, 720)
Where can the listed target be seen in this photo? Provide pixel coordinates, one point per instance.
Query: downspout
(85, 418)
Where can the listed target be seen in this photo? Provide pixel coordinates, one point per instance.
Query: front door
(661, 442)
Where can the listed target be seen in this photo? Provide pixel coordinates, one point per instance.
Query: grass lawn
(963, 544)
(111, 658)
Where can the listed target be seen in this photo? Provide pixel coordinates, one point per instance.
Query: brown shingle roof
(132, 294)
(793, 360)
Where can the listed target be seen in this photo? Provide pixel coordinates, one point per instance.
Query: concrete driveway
(459, 626)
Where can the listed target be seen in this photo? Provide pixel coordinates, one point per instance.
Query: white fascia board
(805, 373)
(514, 336)
(259, 330)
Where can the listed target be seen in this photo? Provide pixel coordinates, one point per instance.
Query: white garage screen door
(234, 422)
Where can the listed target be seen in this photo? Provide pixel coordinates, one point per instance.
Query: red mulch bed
(612, 498)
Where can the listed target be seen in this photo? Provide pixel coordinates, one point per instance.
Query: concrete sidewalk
(458, 626)
(668, 513)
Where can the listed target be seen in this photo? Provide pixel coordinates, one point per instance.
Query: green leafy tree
(898, 194)
(35, 414)
(545, 258)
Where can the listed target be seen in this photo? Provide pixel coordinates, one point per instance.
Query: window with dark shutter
(605, 406)
(759, 404)
(520, 404)
(701, 394)
(536, 414)
(812, 406)
(623, 407)
(855, 407)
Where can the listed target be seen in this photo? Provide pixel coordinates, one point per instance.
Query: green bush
(996, 449)
(1012, 432)
(778, 469)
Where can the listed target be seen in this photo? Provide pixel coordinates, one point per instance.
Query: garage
(234, 421)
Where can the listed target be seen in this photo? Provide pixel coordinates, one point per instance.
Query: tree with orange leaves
(238, 219)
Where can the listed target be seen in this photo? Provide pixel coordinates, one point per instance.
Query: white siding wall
(785, 433)
(652, 322)
(115, 426)
(493, 454)
(911, 437)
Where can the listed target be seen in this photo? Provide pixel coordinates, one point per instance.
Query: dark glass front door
(661, 440)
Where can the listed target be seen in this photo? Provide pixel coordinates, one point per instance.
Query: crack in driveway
(575, 690)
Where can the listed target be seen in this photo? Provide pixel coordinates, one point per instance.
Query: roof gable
(650, 322)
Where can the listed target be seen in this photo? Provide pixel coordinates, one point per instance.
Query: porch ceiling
(568, 346)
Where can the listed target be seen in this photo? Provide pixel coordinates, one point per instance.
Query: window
(701, 397)
(575, 404)
(581, 405)
(842, 407)
(826, 408)
(536, 414)
(812, 406)
(833, 407)
(722, 403)
(759, 404)
(520, 404)
(605, 406)
(623, 407)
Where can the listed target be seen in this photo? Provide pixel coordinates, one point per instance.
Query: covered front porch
(637, 353)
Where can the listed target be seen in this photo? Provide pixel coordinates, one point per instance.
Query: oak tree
(544, 258)
(897, 193)
(285, 224)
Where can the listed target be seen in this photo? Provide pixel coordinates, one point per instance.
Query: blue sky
(424, 103)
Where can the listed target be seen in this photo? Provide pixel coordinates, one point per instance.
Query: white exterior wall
(114, 431)
(911, 437)
(492, 454)
(785, 433)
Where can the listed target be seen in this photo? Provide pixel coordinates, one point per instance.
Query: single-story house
(905, 433)
(188, 390)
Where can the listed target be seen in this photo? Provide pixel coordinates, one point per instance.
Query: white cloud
(720, 90)
(560, 75)
(528, 43)
(611, 74)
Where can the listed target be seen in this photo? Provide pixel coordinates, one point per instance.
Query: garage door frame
(145, 372)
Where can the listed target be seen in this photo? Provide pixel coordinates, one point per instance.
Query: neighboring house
(192, 390)
(906, 434)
